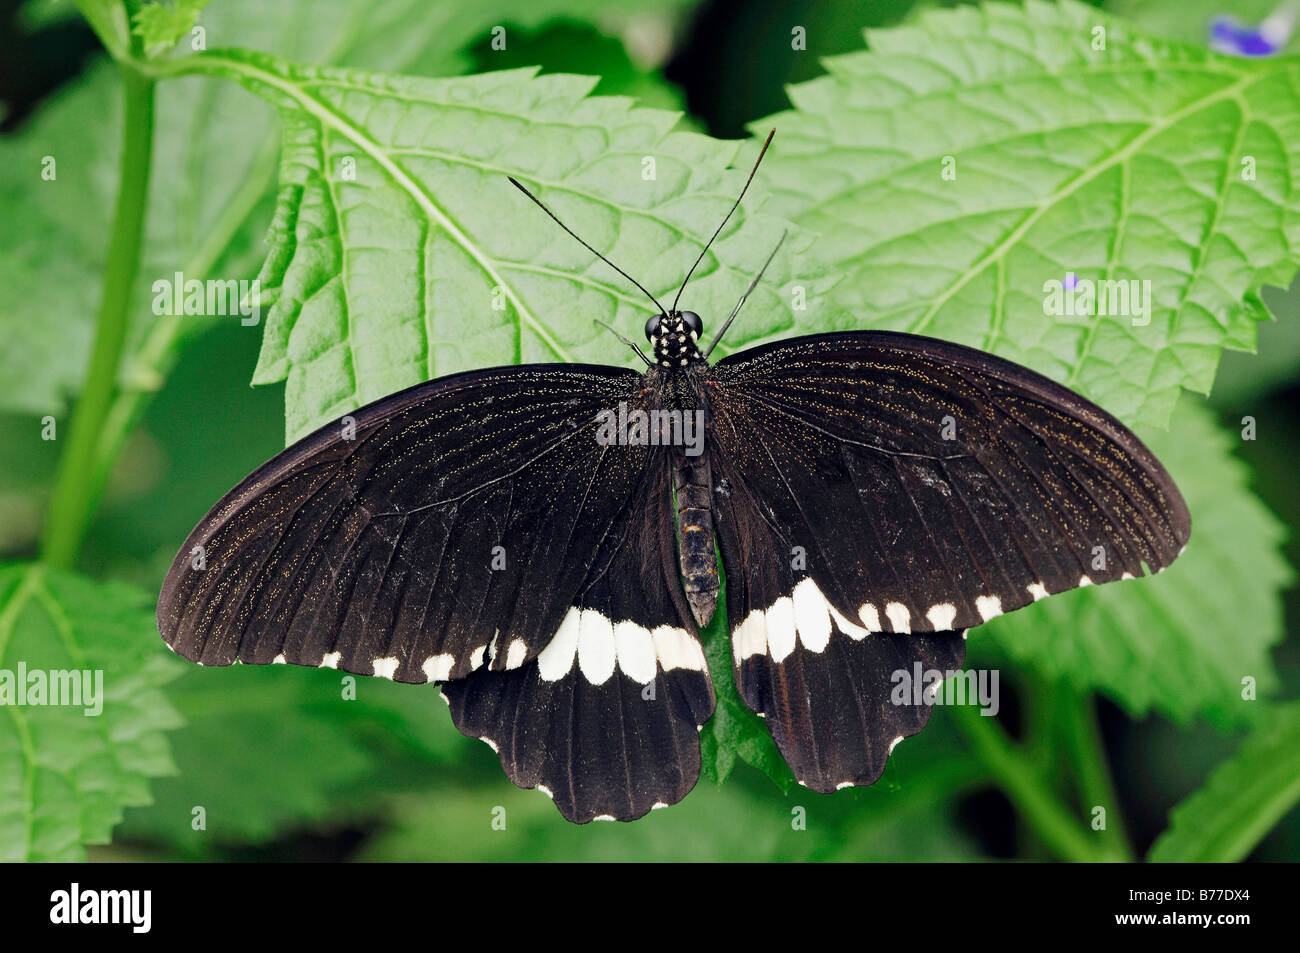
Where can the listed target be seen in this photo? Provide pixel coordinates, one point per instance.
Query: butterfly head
(676, 338)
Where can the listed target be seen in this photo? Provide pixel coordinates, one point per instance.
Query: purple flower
(1229, 35)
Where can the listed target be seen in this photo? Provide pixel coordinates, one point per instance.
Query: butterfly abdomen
(699, 562)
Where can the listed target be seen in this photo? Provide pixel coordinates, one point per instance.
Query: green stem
(1040, 716)
(73, 500)
(1087, 759)
(1016, 774)
(153, 362)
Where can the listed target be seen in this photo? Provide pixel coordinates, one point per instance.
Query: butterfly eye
(652, 326)
(693, 322)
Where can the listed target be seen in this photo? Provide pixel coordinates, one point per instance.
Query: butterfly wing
(606, 719)
(473, 531)
(825, 685)
(455, 511)
(914, 488)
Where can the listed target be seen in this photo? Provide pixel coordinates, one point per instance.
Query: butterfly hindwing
(443, 529)
(939, 486)
(827, 688)
(605, 719)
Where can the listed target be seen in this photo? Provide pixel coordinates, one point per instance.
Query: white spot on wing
(899, 617)
(1084, 581)
(331, 660)
(677, 648)
(870, 617)
(989, 607)
(516, 654)
(855, 632)
(779, 620)
(894, 744)
(595, 646)
(1037, 590)
(635, 651)
(386, 667)
(1127, 575)
(605, 817)
(437, 668)
(812, 620)
(942, 616)
(556, 660)
(750, 637)
(490, 743)
(476, 658)
(843, 784)
(547, 791)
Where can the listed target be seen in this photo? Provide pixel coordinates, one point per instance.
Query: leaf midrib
(1050, 202)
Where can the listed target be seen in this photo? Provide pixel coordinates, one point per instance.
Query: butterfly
(543, 542)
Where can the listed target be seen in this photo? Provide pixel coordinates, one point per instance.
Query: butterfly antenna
(752, 285)
(703, 251)
(555, 218)
(628, 342)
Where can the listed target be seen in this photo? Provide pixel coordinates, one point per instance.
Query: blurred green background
(287, 771)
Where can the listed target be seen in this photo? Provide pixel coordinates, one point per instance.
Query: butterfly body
(693, 486)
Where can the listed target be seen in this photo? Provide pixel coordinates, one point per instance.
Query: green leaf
(1124, 163)
(211, 188)
(1181, 642)
(453, 823)
(743, 820)
(306, 755)
(1243, 378)
(597, 54)
(402, 252)
(160, 25)
(65, 774)
(734, 730)
(1243, 798)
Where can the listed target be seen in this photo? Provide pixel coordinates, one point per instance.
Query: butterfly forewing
(933, 486)
(445, 528)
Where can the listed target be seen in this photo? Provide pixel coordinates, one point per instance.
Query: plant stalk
(1054, 823)
(74, 498)
(1082, 737)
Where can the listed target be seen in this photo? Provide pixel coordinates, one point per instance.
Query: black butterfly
(540, 540)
